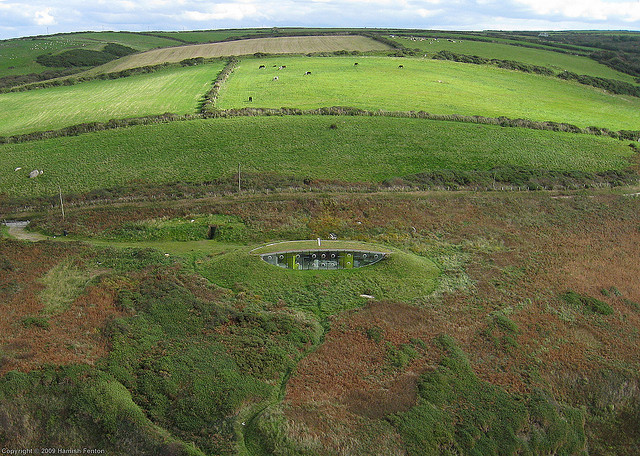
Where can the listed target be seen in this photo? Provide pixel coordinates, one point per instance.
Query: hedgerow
(506, 64)
(210, 112)
(210, 98)
(611, 85)
(84, 57)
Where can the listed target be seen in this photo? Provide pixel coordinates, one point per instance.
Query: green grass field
(550, 59)
(18, 56)
(359, 149)
(176, 90)
(424, 84)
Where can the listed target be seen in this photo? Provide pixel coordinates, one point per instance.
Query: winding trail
(250, 442)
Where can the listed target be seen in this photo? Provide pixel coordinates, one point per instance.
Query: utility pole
(61, 203)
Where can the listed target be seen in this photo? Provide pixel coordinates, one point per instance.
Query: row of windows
(322, 259)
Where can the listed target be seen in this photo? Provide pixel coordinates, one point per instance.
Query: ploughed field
(279, 45)
(356, 149)
(438, 87)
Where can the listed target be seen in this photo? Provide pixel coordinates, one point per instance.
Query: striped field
(282, 45)
(176, 90)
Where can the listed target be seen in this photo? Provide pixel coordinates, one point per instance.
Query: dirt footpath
(17, 230)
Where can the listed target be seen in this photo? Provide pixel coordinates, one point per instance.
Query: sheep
(261, 67)
(307, 72)
(400, 66)
(275, 78)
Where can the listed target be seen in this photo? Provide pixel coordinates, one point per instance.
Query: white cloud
(234, 11)
(422, 12)
(32, 17)
(592, 10)
(44, 17)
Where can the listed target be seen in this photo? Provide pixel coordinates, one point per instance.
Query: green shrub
(634, 305)
(398, 357)
(76, 407)
(84, 57)
(588, 302)
(375, 333)
(191, 362)
(75, 58)
(39, 322)
(611, 85)
(505, 324)
(118, 50)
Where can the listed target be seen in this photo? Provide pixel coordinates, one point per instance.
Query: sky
(40, 17)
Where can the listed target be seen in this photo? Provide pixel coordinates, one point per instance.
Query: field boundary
(610, 85)
(70, 80)
(211, 97)
(501, 121)
(91, 127)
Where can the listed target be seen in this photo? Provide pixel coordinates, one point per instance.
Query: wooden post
(238, 177)
(61, 203)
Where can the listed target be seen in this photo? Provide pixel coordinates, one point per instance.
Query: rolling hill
(504, 321)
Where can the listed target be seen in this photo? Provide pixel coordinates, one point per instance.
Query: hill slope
(282, 45)
(440, 87)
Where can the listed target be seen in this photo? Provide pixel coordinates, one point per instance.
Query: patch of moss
(588, 302)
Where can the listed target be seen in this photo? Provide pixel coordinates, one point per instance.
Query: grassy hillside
(498, 351)
(503, 51)
(424, 84)
(210, 36)
(18, 56)
(280, 45)
(501, 323)
(358, 149)
(401, 276)
(176, 90)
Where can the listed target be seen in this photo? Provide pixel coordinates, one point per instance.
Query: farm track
(25, 212)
